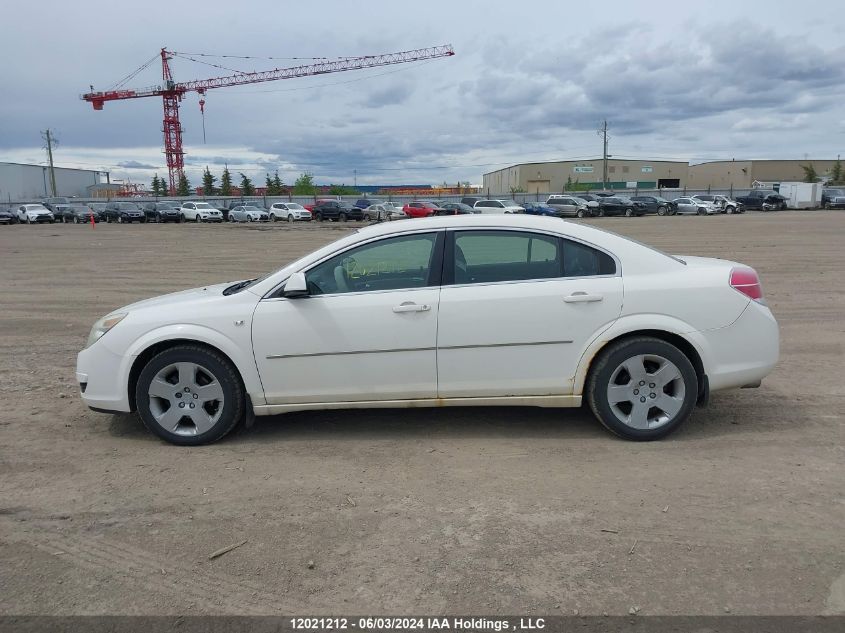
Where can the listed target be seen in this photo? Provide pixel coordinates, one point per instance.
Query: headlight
(102, 326)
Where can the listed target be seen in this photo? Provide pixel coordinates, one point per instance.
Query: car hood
(178, 298)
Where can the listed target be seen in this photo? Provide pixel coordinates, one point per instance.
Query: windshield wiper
(237, 287)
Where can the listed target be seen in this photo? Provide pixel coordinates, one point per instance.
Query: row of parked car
(577, 205)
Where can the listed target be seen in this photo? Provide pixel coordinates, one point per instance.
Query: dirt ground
(455, 511)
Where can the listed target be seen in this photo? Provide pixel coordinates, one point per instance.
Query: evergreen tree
(836, 173)
(183, 188)
(208, 180)
(304, 185)
(278, 185)
(226, 182)
(154, 186)
(247, 188)
(810, 174)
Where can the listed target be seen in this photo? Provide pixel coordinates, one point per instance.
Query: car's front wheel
(629, 213)
(642, 388)
(189, 395)
(343, 217)
(580, 213)
(702, 211)
(661, 210)
(290, 218)
(318, 216)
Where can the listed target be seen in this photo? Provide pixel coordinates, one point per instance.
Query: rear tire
(651, 400)
(199, 365)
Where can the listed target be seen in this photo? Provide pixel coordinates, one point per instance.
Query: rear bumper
(744, 352)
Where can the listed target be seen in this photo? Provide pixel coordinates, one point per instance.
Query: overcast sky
(530, 81)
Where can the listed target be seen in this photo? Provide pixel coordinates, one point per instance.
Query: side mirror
(296, 286)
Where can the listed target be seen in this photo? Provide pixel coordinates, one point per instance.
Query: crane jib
(172, 91)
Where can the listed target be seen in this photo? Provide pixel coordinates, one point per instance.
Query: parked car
(363, 203)
(123, 212)
(763, 200)
(620, 205)
(833, 198)
(454, 208)
(569, 205)
(336, 210)
(57, 206)
(497, 206)
(163, 211)
(79, 214)
(722, 203)
(99, 207)
(415, 316)
(248, 213)
(656, 204)
(421, 209)
(34, 213)
(591, 200)
(199, 212)
(539, 208)
(290, 211)
(471, 200)
(383, 212)
(7, 217)
(694, 205)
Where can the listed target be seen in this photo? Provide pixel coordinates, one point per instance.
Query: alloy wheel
(186, 398)
(646, 391)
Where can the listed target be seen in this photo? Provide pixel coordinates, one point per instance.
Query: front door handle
(582, 297)
(410, 306)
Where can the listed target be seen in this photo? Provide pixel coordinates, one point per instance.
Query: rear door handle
(582, 297)
(410, 306)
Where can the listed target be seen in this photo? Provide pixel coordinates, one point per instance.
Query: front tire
(702, 211)
(580, 213)
(318, 216)
(183, 376)
(343, 217)
(642, 388)
(290, 219)
(629, 213)
(661, 210)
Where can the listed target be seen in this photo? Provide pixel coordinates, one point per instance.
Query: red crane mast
(172, 92)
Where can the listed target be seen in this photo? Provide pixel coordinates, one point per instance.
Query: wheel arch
(670, 335)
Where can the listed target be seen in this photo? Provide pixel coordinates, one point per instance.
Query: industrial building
(745, 174)
(22, 182)
(553, 177)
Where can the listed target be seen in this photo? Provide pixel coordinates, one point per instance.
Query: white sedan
(445, 311)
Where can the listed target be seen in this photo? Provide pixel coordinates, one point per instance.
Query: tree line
(273, 186)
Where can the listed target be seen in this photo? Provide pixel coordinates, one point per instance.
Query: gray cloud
(759, 81)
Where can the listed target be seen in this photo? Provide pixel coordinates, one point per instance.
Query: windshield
(204, 205)
(294, 206)
(835, 192)
(250, 208)
(36, 207)
(78, 207)
(126, 206)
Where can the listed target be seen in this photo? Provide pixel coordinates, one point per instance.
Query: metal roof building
(21, 182)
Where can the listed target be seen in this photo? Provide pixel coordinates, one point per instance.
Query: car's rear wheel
(189, 395)
(642, 388)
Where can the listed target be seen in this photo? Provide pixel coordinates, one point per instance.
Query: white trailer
(801, 195)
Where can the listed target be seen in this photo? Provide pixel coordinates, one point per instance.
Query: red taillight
(746, 281)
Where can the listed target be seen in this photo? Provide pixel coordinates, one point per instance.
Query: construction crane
(172, 92)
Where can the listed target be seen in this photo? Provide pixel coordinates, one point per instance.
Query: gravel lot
(420, 511)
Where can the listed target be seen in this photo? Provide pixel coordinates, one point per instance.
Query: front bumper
(99, 370)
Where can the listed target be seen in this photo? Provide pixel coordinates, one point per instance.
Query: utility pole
(603, 133)
(49, 138)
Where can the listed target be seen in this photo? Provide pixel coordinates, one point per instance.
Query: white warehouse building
(20, 182)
